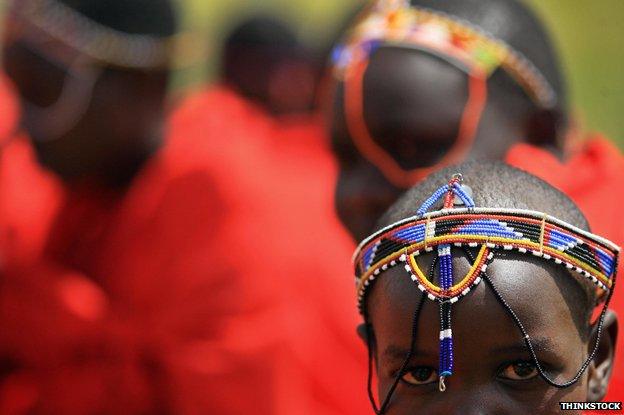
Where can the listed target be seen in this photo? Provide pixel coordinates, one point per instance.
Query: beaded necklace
(490, 230)
(460, 43)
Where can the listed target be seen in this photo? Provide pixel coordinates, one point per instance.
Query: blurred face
(493, 371)
(413, 106)
(76, 110)
(292, 86)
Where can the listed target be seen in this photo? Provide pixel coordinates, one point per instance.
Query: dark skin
(106, 139)
(413, 103)
(493, 372)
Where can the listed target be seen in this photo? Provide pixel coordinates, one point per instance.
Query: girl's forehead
(543, 296)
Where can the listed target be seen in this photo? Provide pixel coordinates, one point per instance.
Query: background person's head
(92, 77)
(413, 103)
(493, 369)
(265, 61)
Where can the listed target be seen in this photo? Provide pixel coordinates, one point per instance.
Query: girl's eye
(519, 371)
(420, 375)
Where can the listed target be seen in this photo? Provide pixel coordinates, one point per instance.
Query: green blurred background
(589, 34)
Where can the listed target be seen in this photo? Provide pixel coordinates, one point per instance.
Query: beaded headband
(490, 230)
(93, 39)
(395, 22)
(460, 43)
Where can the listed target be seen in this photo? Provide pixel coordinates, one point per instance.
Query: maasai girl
(483, 292)
(422, 84)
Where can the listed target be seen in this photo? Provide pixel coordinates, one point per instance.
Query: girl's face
(493, 371)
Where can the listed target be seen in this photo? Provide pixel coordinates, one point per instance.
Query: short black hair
(145, 17)
(498, 185)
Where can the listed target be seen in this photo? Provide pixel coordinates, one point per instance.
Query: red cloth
(29, 196)
(29, 199)
(62, 352)
(593, 178)
(44, 321)
(221, 274)
(276, 178)
(9, 109)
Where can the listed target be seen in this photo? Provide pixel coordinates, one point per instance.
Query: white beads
(446, 334)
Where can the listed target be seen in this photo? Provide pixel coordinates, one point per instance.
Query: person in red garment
(277, 77)
(178, 274)
(423, 84)
(77, 67)
(275, 173)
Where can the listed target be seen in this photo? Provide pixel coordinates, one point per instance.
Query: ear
(546, 128)
(601, 368)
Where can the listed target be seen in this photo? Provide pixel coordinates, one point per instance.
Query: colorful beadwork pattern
(488, 229)
(509, 229)
(395, 22)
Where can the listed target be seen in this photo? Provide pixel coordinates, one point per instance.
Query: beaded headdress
(462, 225)
(457, 41)
(60, 22)
(81, 47)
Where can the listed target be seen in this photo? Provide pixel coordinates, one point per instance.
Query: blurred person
(199, 264)
(97, 56)
(274, 173)
(267, 69)
(269, 81)
(264, 61)
(91, 79)
(423, 84)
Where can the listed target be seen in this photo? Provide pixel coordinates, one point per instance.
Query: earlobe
(601, 368)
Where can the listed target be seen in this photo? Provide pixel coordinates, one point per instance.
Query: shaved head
(498, 185)
(493, 372)
(495, 185)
